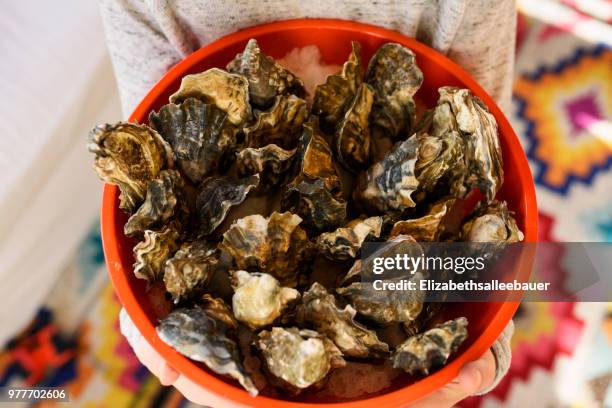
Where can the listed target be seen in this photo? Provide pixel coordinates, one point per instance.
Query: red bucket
(333, 37)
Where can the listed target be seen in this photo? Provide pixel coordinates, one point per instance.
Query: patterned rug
(562, 353)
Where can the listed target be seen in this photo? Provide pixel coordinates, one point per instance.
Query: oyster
(440, 158)
(270, 162)
(191, 268)
(427, 318)
(129, 155)
(298, 359)
(275, 245)
(345, 242)
(423, 352)
(331, 98)
(315, 159)
(259, 299)
(366, 268)
(388, 184)
(459, 110)
(385, 306)
(217, 309)
(319, 208)
(353, 143)
(162, 202)
(217, 195)
(314, 192)
(266, 77)
(426, 228)
(200, 134)
(197, 335)
(228, 92)
(319, 309)
(491, 223)
(395, 78)
(281, 124)
(152, 253)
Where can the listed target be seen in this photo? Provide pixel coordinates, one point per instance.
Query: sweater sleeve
(503, 356)
(147, 37)
(479, 35)
(140, 49)
(485, 45)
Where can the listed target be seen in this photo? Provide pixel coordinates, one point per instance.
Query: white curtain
(56, 82)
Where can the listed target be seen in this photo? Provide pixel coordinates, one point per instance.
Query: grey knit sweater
(147, 37)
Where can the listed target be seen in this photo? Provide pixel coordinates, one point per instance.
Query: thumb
(145, 353)
(151, 359)
(472, 378)
(467, 383)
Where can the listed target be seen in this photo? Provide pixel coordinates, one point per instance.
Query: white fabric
(56, 82)
(128, 329)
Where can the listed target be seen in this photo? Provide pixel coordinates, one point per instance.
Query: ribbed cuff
(503, 356)
(128, 329)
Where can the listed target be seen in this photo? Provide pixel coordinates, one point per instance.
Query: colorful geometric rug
(561, 351)
(563, 115)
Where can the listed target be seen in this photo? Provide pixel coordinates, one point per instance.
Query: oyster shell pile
(254, 211)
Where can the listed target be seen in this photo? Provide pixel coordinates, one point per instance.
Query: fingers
(167, 375)
(200, 396)
(151, 359)
(145, 352)
(473, 377)
(486, 365)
